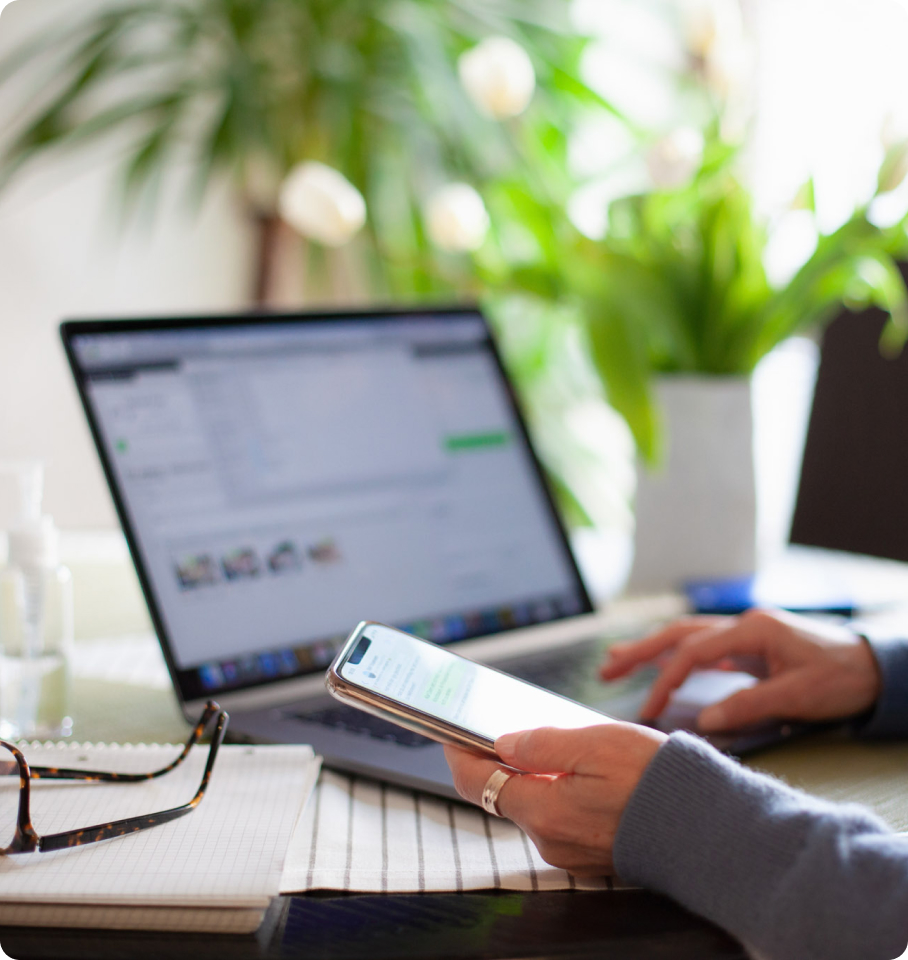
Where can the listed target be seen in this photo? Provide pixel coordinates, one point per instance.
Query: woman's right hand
(807, 670)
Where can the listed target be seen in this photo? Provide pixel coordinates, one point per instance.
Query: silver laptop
(281, 478)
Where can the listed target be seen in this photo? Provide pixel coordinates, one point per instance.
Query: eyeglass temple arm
(26, 839)
(121, 828)
(63, 773)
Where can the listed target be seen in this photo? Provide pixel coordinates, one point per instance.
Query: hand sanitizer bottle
(36, 621)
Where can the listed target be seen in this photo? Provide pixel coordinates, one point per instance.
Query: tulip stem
(268, 227)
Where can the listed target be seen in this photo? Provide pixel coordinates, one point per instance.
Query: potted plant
(414, 147)
(380, 150)
(679, 310)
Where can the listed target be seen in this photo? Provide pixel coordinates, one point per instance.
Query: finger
(519, 799)
(551, 750)
(580, 860)
(754, 664)
(769, 700)
(470, 772)
(540, 804)
(624, 657)
(740, 637)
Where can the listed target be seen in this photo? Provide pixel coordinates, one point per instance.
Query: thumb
(768, 700)
(546, 750)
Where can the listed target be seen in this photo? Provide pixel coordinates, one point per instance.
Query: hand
(571, 799)
(808, 671)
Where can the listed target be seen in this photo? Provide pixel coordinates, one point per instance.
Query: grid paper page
(228, 852)
(170, 919)
(362, 836)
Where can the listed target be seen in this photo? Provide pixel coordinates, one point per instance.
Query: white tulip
(715, 36)
(673, 159)
(708, 24)
(456, 218)
(321, 204)
(498, 77)
(891, 201)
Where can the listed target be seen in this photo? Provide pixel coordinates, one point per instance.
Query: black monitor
(854, 477)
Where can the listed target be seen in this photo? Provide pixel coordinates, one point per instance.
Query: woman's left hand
(574, 791)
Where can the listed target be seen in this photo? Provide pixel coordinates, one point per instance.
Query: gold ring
(490, 791)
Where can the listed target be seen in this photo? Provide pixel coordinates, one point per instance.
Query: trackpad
(699, 690)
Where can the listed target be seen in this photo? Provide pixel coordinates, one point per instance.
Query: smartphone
(435, 692)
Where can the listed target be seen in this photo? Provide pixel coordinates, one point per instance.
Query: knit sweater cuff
(684, 819)
(790, 875)
(696, 829)
(889, 717)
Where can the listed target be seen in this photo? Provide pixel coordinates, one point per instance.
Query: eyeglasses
(27, 840)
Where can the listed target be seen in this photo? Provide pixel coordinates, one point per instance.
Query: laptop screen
(281, 479)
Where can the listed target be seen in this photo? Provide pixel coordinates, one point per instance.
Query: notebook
(215, 870)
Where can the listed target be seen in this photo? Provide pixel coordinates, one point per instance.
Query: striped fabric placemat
(362, 836)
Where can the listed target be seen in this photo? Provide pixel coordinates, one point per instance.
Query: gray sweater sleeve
(890, 715)
(793, 877)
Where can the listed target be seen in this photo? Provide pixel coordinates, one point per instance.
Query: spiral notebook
(213, 870)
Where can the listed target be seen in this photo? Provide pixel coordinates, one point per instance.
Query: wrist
(869, 674)
(643, 745)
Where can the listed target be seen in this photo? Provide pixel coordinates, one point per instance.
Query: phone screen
(435, 681)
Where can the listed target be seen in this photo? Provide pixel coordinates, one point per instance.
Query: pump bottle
(36, 620)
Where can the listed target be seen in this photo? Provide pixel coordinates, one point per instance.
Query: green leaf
(805, 198)
(618, 351)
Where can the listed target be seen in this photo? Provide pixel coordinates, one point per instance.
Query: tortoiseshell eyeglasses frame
(27, 840)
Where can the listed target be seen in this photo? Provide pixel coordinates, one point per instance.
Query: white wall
(62, 254)
(832, 75)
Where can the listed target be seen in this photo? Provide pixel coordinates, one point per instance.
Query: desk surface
(630, 925)
(474, 926)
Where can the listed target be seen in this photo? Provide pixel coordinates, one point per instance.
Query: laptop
(281, 477)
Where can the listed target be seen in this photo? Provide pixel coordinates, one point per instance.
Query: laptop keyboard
(357, 721)
(565, 672)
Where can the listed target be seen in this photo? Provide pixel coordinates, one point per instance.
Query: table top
(630, 924)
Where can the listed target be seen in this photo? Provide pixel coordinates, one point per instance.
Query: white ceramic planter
(696, 514)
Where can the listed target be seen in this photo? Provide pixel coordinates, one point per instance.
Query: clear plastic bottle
(36, 622)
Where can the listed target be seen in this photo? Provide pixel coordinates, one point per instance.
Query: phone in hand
(442, 695)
